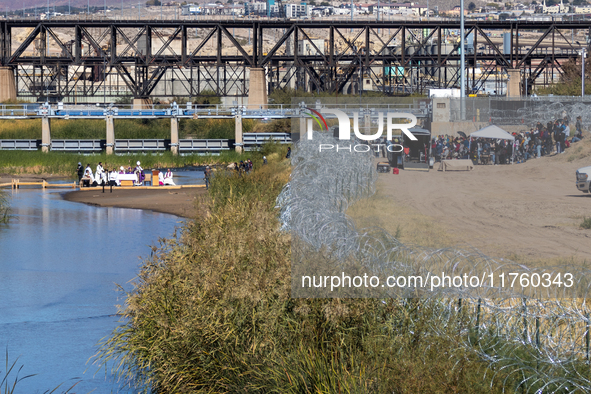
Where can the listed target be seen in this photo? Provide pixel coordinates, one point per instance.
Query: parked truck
(584, 179)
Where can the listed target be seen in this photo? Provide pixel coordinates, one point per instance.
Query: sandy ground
(180, 202)
(527, 212)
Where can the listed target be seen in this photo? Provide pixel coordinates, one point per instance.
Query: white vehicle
(584, 179)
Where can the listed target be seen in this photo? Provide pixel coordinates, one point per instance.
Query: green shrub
(586, 223)
(213, 128)
(124, 128)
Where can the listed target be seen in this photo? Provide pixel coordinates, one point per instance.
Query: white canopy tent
(494, 132)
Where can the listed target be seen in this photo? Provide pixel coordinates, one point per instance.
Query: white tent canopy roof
(492, 131)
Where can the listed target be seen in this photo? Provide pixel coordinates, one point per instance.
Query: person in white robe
(100, 178)
(88, 174)
(168, 178)
(100, 175)
(113, 178)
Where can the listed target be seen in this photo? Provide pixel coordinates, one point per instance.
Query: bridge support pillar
(513, 88)
(45, 134)
(110, 134)
(238, 133)
(303, 130)
(7, 84)
(174, 135)
(367, 121)
(140, 103)
(257, 89)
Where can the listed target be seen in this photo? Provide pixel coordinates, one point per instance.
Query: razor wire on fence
(537, 333)
(526, 112)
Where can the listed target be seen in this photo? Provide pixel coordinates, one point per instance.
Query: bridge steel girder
(143, 56)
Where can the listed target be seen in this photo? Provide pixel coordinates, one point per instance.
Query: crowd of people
(105, 177)
(244, 167)
(542, 140)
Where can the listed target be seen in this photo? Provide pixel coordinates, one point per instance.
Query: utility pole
(351, 17)
(583, 56)
(462, 63)
(104, 80)
(462, 55)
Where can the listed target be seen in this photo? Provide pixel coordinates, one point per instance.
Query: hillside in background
(10, 5)
(445, 5)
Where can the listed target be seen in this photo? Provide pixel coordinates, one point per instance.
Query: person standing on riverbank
(139, 172)
(80, 172)
(113, 178)
(100, 176)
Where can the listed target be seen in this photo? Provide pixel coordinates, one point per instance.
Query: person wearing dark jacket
(80, 172)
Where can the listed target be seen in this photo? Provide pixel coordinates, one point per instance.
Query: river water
(60, 263)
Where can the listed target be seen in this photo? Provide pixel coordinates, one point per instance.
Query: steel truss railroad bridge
(65, 60)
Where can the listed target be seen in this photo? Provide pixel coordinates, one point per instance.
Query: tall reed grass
(62, 163)
(212, 312)
(124, 128)
(10, 378)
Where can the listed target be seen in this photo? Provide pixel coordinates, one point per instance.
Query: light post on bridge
(462, 64)
(583, 56)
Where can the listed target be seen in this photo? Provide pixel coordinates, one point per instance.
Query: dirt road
(529, 211)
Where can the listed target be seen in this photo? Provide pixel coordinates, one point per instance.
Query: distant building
(296, 10)
(583, 9)
(455, 11)
(191, 9)
(399, 8)
(288, 10)
(322, 11)
(258, 8)
(555, 9)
